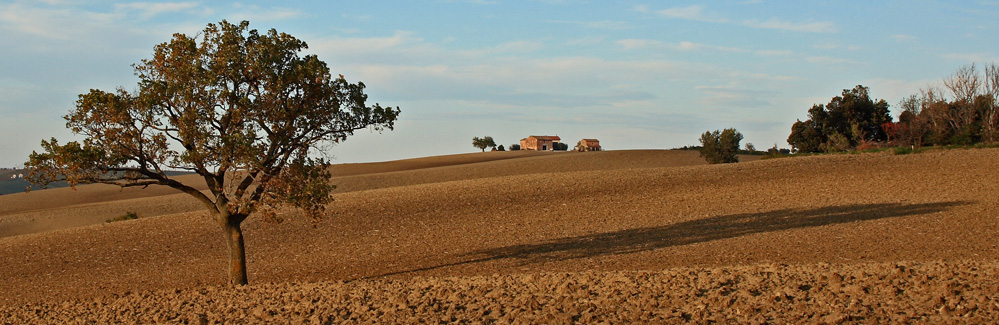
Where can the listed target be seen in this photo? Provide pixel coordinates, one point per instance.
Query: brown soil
(619, 236)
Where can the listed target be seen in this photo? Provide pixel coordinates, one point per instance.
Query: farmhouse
(539, 142)
(588, 145)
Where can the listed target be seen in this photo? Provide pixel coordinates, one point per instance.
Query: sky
(633, 74)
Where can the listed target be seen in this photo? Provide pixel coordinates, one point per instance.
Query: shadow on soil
(694, 231)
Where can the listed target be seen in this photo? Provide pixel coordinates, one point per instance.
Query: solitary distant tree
(240, 108)
(483, 143)
(720, 146)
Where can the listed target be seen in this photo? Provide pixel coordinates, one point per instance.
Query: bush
(127, 216)
(720, 146)
(500, 148)
(514, 147)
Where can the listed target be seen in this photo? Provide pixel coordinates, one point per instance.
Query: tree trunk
(237, 250)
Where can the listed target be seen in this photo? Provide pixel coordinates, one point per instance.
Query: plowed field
(621, 236)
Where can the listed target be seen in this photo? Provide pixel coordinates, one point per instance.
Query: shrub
(720, 146)
(127, 216)
(514, 147)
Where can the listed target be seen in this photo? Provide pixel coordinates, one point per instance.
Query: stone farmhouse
(539, 142)
(588, 145)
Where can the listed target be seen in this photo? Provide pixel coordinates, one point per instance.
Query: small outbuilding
(539, 142)
(588, 145)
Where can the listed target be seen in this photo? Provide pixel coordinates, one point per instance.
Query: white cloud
(601, 24)
(57, 24)
(150, 9)
(630, 44)
(256, 13)
(690, 13)
(586, 40)
(634, 44)
(774, 52)
(903, 37)
(719, 97)
(755, 77)
(697, 13)
(835, 46)
(811, 26)
(829, 60)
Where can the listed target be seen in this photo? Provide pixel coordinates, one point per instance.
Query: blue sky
(632, 74)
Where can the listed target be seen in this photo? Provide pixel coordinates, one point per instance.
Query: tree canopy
(720, 146)
(843, 123)
(483, 143)
(969, 115)
(240, 108)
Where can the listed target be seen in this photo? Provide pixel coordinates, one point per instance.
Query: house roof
(592, 140)
(546, 137)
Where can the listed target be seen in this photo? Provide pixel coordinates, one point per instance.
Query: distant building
(539, 142)
(588, 145)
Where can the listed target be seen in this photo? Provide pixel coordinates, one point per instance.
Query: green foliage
(127, 216)
(903, 150)
(720, 146)
(514, 147)
(500, 148)
(559, 146)
(836, 143)
(483, 143)
(843, 123)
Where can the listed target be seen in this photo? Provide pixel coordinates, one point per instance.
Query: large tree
(242, 109)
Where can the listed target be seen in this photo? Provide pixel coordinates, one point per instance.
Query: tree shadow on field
(691, 232)
(704, 230)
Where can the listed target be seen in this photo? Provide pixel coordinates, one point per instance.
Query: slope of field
(62, 208)
(830, 238)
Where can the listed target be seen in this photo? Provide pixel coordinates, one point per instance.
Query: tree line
(963, 112)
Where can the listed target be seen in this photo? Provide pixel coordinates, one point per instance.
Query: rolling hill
(617, 235)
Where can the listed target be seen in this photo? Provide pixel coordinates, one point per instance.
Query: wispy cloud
(257, 13)
(829, 60)
(631, 43)
(690, 13)
(808, 26)
(835, 46)
(634, 44)
(151, 9)
(602, 24)
(697, 13)
(731, 96)
(903, 37)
